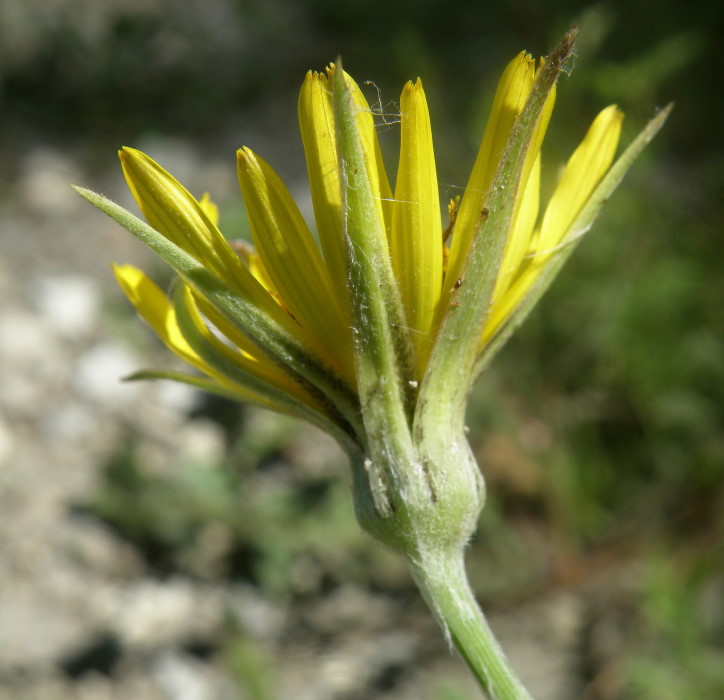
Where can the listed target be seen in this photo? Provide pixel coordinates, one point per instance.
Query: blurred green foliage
(677, 654)
(599, 425)
(254, 518)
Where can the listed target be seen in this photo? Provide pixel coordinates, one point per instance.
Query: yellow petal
(230, 331)
(416, 236)
(373, 154)
(509, 301)
(316, 121)
(293, 261)
(210, 208)
(588, 164)
(583, 172)
(213, 386)
(511, 94)
(254, 262)
(252, 359)
(173, 211)
(519, 241)
(155, 309)
(244, 355)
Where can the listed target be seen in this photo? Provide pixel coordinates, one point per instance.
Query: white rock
(255, 614)
(44, 183)
(180, 398)
(99, 371)
(70, 422)
(24, 339)
(184, 678)
(34, 631)
(152, 614)
(201, 442)
(6, 441)
(68, 303)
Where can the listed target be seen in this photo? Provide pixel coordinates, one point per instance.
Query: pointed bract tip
(657, 121)
(337, 77)
(564, 49)
(83, 191)
(136, 376)
(664, 113)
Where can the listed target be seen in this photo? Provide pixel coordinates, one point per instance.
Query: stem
(444, 585)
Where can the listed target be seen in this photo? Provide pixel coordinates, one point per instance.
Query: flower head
(375, 328)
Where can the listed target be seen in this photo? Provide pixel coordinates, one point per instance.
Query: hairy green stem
(444, 584)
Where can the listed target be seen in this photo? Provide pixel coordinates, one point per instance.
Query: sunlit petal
(416, 238)
(511, 94)
(171, 209)
(316, 121)
(584, 170)
(210, 208)
(292, 259)
(154, 307)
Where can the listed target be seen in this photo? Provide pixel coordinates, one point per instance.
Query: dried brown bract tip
(563, 51)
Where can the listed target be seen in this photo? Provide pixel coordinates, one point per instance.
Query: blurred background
(160, 544)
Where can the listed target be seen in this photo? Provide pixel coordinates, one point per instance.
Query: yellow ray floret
(155, 308)
(513, 90)
(584, 170)
(416, 234)
(521, 233)
(171, 209)
(210, 208)
(245, 251)
(293, 261)
(317, 125)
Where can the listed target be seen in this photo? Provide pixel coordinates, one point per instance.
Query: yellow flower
(307, 323)
(375, 328)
